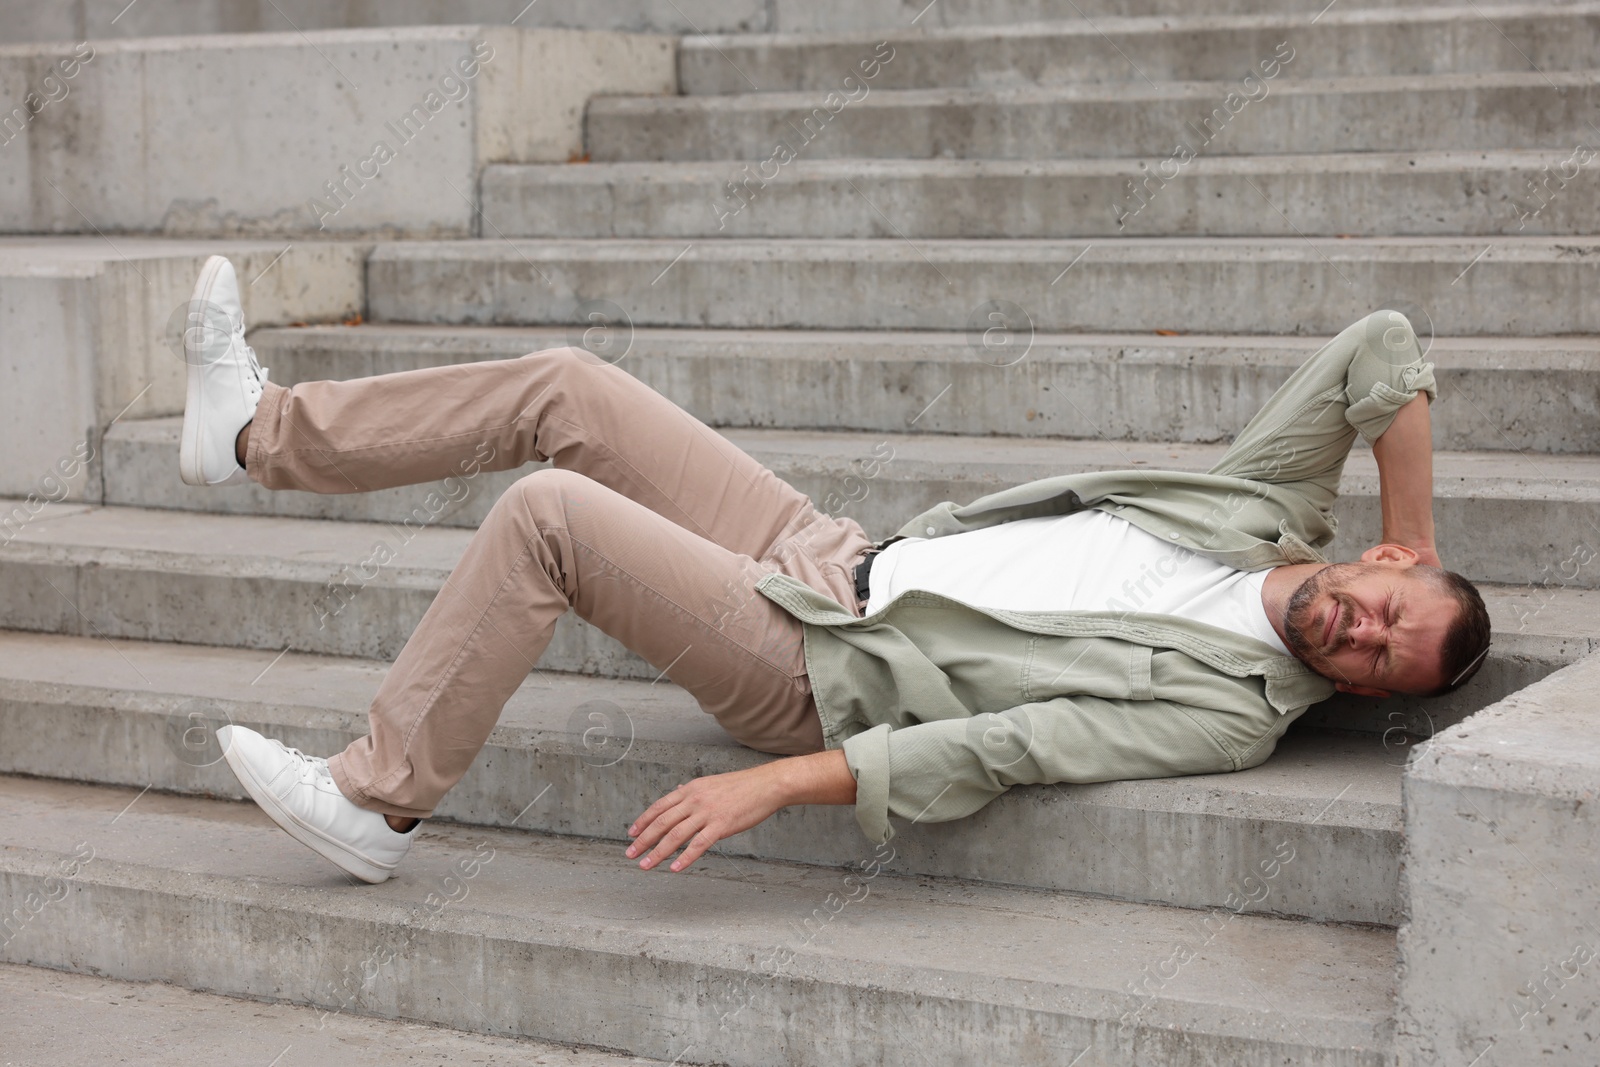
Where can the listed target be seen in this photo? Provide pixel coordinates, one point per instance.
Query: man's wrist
(817, 778)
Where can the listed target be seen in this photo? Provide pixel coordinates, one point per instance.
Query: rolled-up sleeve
(1356, 383)
(948, 769)
(1385, 374)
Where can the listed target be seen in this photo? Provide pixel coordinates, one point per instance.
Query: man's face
(1374, 628)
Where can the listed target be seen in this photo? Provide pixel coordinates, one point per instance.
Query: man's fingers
(674, 840)
(656, 809)
(656, 826)
(697, 847)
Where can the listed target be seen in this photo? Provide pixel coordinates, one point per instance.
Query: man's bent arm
(1356, 383)
(1405, 475)
(706, 810)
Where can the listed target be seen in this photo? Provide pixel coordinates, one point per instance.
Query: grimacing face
(1373, 628)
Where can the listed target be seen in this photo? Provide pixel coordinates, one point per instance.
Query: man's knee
(555, 485)
(549, 497)
(565, 360)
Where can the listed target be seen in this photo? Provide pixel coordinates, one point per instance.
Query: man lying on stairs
(1079, 628)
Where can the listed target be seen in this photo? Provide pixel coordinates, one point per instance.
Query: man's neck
(1279, 587)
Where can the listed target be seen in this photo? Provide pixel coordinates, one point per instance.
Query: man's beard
(1298, 614)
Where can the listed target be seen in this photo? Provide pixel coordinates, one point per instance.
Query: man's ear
(1361, 690)
(1399, 555)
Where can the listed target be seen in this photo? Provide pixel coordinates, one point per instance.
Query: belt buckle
(862, 576)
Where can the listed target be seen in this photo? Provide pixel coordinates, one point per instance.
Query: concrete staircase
(987, 255)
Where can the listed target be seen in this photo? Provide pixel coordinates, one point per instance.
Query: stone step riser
(314, 610)
(1509, 194)
(1465, 288)
(1532, 396)
(60, 1017)
(1122, 840)
(1167, 127)
(841, 16)
(1344, 42)
(556, 939)
(28, 20)
(315, 615)
(1493, 529)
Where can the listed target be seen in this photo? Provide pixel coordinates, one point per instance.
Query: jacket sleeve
(949, 768)
(1356, 383)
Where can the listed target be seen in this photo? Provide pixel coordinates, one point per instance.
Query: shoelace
(257, 371)
(311, 767)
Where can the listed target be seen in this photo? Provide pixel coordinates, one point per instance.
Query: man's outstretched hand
(697, 815)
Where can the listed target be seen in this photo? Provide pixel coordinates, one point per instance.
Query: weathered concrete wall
(33, 20)
(1500, 958)
(75, 20)
(354, 131)
(87, 332)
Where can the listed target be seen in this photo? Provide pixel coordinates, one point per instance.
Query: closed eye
(1391, 616)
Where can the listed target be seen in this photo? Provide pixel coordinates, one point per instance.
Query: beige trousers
(650, 525)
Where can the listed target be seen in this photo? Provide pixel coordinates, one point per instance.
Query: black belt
(864, 569)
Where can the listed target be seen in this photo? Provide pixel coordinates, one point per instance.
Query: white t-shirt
(1087, 561)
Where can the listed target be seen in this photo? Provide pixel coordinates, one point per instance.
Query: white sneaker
(299, 793)
(224, 379)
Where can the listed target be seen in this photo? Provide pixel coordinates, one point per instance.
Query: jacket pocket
(1087, 666)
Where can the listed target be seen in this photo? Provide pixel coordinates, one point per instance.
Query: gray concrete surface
(174, 576)
(28, 20)
(1433, 118)
(89, 330)
(1528, 394)
(1539, 508)
(60, 1019)
(351, 131)
(564, 940)
(1511, 286)
(166, 575)
(1390, 113)
(139, 713)
(831, 16)
(1184, 47)
(1445, 194)
(1500, 954)
(74, 20)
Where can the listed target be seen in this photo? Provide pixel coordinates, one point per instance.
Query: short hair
(1466, 642)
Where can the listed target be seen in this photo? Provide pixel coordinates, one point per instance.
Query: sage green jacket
(941, 706)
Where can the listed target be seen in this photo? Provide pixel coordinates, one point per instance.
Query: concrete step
(27, 20)
(1185, 47)
(1501, 516)
(565, 940)
(1364, 194)
(834, 16)
(1507, 286)
(172, 576)
(60, 1019)
(144, 714)
(294, 584)
(380, 131)
(1161, 121)
(1528, 394)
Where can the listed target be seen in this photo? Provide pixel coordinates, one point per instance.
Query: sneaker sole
(189, 451)
(338, 854)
